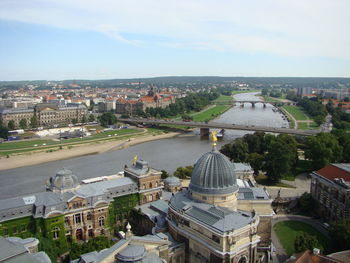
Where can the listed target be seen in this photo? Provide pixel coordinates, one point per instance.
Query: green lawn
(267, 98)
(297, 112)
(303, 126)
(235, 92)
(223, 98)
(211, 113)
(25, 146)
(287, 231)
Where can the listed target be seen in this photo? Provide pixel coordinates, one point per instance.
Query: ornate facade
(47, 114)
(73, 211)
(330, 187)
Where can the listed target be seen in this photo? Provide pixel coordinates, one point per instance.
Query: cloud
(282, 27)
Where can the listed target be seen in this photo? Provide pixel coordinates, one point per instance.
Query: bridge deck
(215, 125)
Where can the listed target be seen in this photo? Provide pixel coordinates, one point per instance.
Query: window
(150, 185)
(15, 230)
(77, 218)
(23, 228)
(216, 239)
(156, 184)
(89, 216)
(101, 221)
(55, 233)
(5, 231)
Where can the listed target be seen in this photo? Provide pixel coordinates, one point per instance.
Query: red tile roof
(309, 257)
(332, 172)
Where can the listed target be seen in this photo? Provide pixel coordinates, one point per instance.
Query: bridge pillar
(253, 104)
(264, 105)
(204, 132)
(242, 104)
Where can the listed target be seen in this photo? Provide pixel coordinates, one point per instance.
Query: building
(72, 211)
(46, 114)
(151, 100)
(14, 249)
(313, 257)
(330, 187)
(157, 248)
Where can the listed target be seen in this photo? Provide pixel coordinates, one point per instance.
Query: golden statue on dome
(214, 138)
(134, 160)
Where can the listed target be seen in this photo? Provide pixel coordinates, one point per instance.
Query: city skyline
(58, 40)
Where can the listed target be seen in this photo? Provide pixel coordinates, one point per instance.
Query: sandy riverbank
(28, 159)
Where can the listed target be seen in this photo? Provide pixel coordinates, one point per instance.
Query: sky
(104, 39)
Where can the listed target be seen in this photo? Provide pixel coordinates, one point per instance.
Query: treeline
(340, 119)
(314, 108)
(192, 102)
(277, 156)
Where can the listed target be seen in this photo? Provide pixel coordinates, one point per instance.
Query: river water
(166, 154)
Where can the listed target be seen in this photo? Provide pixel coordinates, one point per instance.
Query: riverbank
(34, 158)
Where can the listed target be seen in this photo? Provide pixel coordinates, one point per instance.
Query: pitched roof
(309, 257)
(333, 171)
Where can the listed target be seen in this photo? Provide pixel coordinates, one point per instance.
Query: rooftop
(219, 219)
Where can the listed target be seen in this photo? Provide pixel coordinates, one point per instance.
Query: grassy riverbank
(49, 145)
(304, 122)
(211, 113)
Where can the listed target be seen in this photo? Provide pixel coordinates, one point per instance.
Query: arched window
(151, 197)
(56, 233)
(243, 259)
(101, 221)
(157, 196)
(157, 184)
(150, 185)
(144, 186)
(144, 199)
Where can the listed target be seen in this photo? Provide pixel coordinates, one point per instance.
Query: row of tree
(278, 155)
(314, 108)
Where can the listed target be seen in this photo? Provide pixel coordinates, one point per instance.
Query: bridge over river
(213, 125)
(253, 102)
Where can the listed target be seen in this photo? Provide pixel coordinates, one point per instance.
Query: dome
(172, 181)
(132, 253)
(63, 180)
(213, 173)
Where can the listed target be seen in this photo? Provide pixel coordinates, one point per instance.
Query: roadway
(214, 125)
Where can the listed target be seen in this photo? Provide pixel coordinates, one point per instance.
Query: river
(166, 154)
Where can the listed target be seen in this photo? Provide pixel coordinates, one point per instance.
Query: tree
(305, 241)
(256, 161)
(237, 151)
(183, 172)
(11, 125)
(91, 118)
(306, 203)
(4, 132)
(83, 119)
(339, 233)
(34, 122)
(281, 157)
(107, 119)
(165, 174)
(323, 149)
(23, 123)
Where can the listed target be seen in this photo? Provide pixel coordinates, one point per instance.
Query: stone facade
(47, 114)
(330, 187)
(82, 211)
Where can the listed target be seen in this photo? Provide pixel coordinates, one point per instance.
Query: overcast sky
(97, 39)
